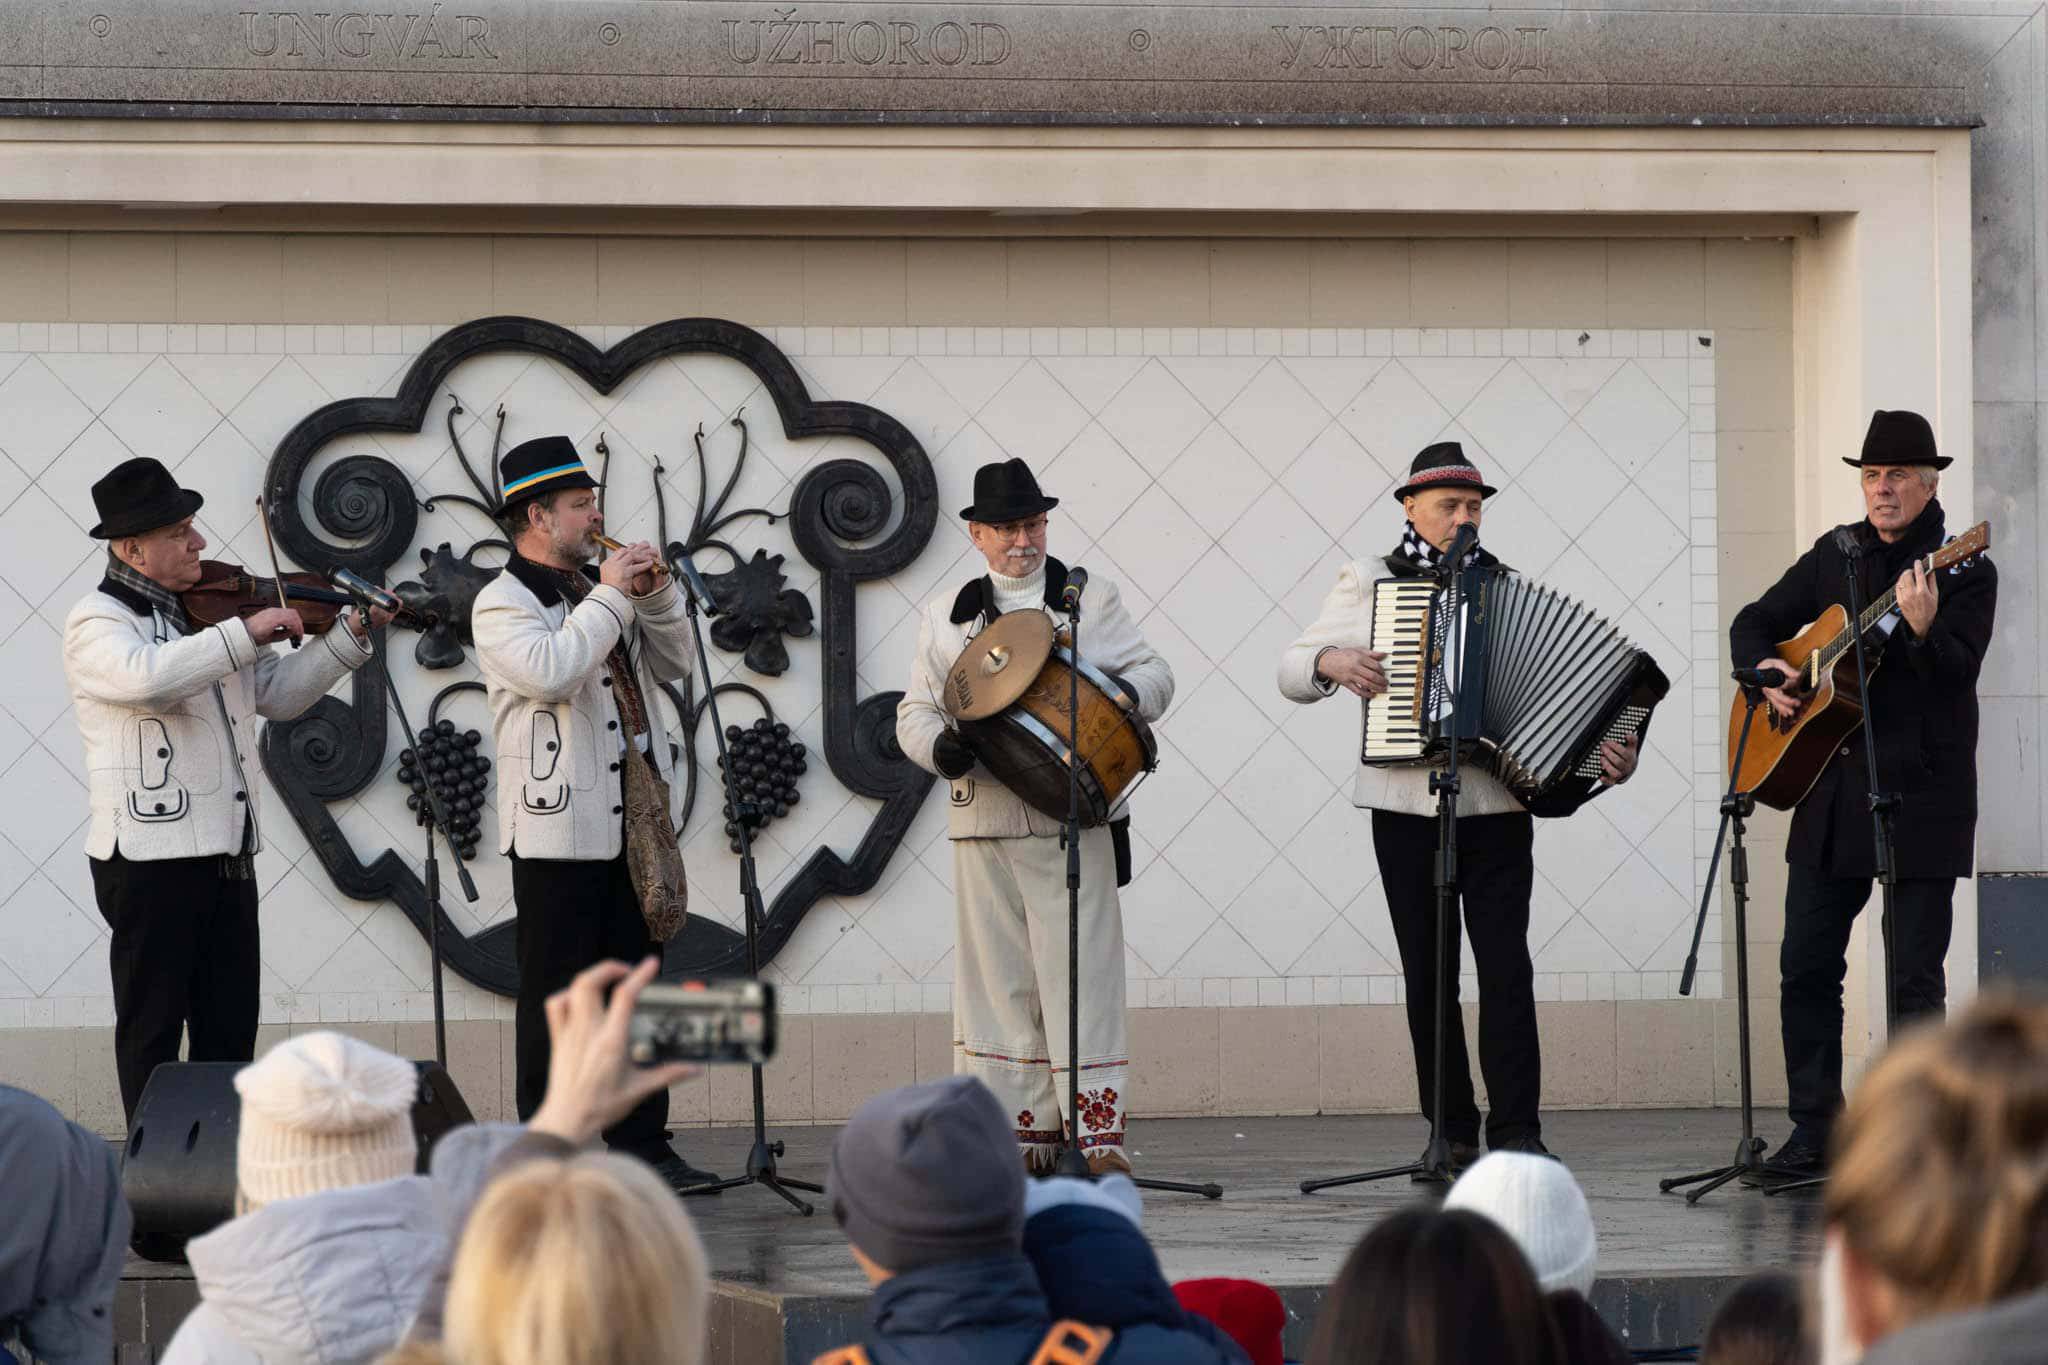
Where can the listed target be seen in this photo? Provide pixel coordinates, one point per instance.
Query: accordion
(1527, 682)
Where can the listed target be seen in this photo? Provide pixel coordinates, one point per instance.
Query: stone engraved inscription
(786, 40)
(1411, 48)
(428, 35)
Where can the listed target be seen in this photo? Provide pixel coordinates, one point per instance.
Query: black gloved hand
(951, 756)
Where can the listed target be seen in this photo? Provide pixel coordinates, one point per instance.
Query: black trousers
(573, 914)
(1496, 867)
(1812, 961)
(185, 959)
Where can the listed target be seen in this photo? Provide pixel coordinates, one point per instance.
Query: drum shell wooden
(1025, 747)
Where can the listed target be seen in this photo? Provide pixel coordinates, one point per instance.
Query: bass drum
(1008, 691)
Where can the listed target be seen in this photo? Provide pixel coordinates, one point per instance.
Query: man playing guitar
(1924, 703)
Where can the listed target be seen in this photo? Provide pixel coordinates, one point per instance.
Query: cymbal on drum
(998, 665)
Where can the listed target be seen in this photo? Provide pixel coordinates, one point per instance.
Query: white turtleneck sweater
(1019, 594)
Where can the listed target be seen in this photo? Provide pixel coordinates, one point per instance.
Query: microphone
(1762, 677)
(1461, 545)
(1848, 542)
(363, 590)
(1077, 583)
(693, 583)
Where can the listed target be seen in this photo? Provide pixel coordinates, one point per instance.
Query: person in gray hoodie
(335, 1239)
(65, 1237)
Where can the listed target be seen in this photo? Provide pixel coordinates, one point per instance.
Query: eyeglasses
(1008, 530)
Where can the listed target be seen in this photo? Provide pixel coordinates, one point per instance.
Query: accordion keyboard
(1401, 631)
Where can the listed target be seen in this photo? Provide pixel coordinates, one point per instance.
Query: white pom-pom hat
(322, 1111)
(1539, 1204)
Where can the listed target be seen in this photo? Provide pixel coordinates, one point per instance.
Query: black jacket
(1923, 698)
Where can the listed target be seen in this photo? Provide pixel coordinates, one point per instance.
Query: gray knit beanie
(929, 1173)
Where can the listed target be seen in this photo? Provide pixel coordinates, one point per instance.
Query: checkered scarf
(1416, 550)
(155, 593)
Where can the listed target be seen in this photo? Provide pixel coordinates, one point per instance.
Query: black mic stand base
(761, 1157)
(1736, 808)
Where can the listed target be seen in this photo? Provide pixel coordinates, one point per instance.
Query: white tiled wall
(1220, 475)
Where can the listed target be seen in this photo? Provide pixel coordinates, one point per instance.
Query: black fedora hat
(1443, 465)
(1898, 437)
(1006, 491)
(546, 464)
(139, 495)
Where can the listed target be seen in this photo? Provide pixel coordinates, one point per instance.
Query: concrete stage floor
(788, 1290)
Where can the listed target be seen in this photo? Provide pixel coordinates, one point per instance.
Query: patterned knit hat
(322, 1111)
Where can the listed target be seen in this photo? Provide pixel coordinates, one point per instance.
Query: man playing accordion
(1443, 493)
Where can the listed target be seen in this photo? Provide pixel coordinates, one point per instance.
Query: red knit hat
(1248, 1311)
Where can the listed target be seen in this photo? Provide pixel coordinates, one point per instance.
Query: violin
(229, 592)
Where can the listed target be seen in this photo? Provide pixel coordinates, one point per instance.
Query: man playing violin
(167, 711)
(1924, 705)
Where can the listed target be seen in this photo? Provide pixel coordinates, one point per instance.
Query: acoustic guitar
(1785, 757)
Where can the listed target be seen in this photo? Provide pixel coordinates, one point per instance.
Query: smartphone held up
(725, 1021)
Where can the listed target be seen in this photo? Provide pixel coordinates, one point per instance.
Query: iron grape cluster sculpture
(448, 760)
(766, 764)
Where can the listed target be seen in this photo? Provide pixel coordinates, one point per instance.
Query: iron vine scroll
(367, 517)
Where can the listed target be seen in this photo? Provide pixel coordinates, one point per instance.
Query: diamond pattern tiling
(1157, 542)
(161, 412)
(1207, 485)
(43, 417)
(1154, 417)
(1273, 417)
(1635, 910)
(1216, 604)
(1275, 541)
(1227, 729)
(1280, 914)
(1278, 789)
(1333, 476)
(1514, 417)
(1215, 479)
(1572, 381)
(42, 933)
(1394, 417)
(1631, 418)
(1097, 480)
(1334, 381)
(1093, 380)
(1219, 852)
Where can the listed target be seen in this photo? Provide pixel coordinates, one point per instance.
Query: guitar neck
(1824, 658)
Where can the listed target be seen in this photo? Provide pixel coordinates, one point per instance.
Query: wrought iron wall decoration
(367, 517)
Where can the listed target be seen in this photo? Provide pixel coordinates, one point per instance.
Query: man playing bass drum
(1924, 703)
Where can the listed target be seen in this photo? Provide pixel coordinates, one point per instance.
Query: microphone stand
(761, 1157)
(437, 818)
(1072, 1161)
(1445, 785)
(1736, 807)
(1883, 805)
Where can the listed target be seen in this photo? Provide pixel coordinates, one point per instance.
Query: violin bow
(276, 572)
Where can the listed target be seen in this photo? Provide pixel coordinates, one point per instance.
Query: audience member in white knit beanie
(322, 1111)
(1542, 1207)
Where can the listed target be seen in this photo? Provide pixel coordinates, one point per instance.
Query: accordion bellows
(1541, 681)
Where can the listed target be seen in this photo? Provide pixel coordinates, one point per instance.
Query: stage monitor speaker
(178, 1169)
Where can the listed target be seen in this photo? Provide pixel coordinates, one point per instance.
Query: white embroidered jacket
(980, 807)
(169, 721)
(547, 673)
(1346, 623)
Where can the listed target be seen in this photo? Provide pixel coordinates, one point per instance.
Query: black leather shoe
(1528, 1142)
(1795, 1159)
(682, 1177)
(1463, 1154)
